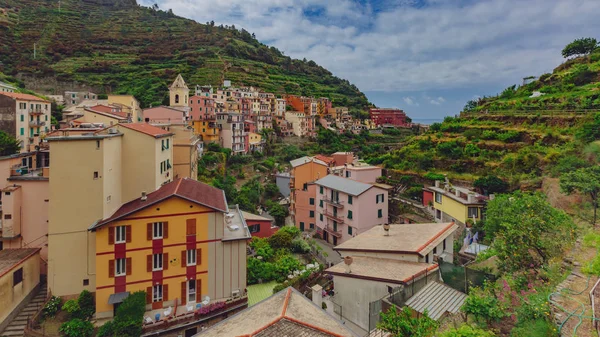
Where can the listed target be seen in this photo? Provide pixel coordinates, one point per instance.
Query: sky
(427, 57)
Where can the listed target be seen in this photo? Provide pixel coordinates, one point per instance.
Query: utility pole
(34, 50)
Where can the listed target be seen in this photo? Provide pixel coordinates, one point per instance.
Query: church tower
(178, 93)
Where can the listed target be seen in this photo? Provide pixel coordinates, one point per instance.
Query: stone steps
(16, 328)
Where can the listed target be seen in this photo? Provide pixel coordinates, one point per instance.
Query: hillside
(117, 46)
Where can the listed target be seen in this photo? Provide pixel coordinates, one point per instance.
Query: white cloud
(410, 101)
(440, 44)
(437, 101)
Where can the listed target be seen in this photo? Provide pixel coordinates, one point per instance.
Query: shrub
(86, 304)
(509, 136)
(451, 149)
(77, 328)
(72, 308)
(489, 135)
(471, 134)
(491, 185)
(324, 305)
(281, 239)
(130, 314)
(467, 331)
(52, 307)
(538, 328)
(435, 127)
(106, 330)
(483, 306)
(434, 176)
(300, 246)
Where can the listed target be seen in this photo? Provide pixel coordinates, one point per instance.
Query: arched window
(176, 99)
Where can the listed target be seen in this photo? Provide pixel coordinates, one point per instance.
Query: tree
(8, 144)
(401, 323)
(526, 230)
(583, 46)
(268, 136)
(584, 180)
(491, 185)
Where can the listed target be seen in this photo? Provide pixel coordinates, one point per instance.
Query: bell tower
(179, 93)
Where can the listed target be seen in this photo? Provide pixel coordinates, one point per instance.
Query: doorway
(191, 291)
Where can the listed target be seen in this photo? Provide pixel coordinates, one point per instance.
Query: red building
(427, 198)
(201, 107)
(259, 226)
(395, 117)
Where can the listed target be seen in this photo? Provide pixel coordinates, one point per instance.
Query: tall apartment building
(76, 97)
(4, 87)
(201, 107)
(387, 116)
(91, 174)
(231, 126)
(129, 105)
(24, 116)
(304, 172)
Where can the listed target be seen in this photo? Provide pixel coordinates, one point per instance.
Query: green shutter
(380, 213)
(350, 199)
(22, 131)
(349, 214)
(320, 203)
(321, 217)
(349, 230)
(312, 201)
(321, 189)
(312, 214)
(22, 118)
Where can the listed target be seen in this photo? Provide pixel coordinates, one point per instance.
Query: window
(157, 230)
(191, 290)
(320, 203)
(349, 214)
(157, 262)
(97, 145)
(438, 214)
(167, 143)
(380, 198)
(312, 214)
(120, 234)
(349, 230)
(321, 189)
(380, 213)
(321, 217)
(95, 174)
(157, 293)
(427, 258)
(7, 216)
(347, 174)
(444, 245)
(120, 267)
(312, 226)
(22, 118)
(254, 228)
(311, 201)
(191, 257)
(438, 197)
(435, 250)
(22, 131)
(473, 212)
(17, 276)
(86, 282)
(349, 200)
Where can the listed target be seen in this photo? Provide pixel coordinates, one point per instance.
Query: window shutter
(165, 229)
(183, 258)
(111, 235)
(165, 261)
(128, 233)
(149, 295)
(198, 256)
(111, 268)
(198, 290)
(149, 263)
(165, 292)
(128, 266)
(183, 292)
(191, 226)
(149, 231)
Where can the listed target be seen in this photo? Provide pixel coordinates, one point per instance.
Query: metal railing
(333, 216)
(335, 232)
(334, 202)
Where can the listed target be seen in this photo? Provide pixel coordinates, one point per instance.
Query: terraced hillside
(118, 46)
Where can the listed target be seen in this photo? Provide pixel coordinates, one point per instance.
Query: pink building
(346, 208)
(163, 115)
(201, 107)
(358, 171)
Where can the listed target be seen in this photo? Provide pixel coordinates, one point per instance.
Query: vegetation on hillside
(120, 47)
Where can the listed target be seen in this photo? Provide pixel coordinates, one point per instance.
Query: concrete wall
(11, 296)
(92, 117)
(129, 101)
(8, 116)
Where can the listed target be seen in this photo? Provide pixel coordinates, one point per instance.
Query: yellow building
(19, 277)
(208, 130)
(454, 204)
(255, 142)
(129, 104)
(179, 244)
(90, 174)
(178, 93)
(99, 117)
(187, 147)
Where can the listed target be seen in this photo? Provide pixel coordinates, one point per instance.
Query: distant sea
(427, 121)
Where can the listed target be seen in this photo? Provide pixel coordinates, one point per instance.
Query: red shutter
(128, 233)
(183, 292)
(149, 263)
(183, 258)
(165, 292)
(191, 226)
(128, 266)
(149, 295)
(111, 235)
(149, 231)
(165, 261)
(165, 229)
(198, 256)
(198, 290)
(111, 268)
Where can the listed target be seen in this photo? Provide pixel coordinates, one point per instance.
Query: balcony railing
(334, 202)
(36, 112)
(329, 229)
(37, 123)
(335, 217)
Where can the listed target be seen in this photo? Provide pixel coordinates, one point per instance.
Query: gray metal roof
(345, 185)
(304, 160)
(118, 297)
(438, 299)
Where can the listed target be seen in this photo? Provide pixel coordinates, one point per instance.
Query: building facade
(24, 117)
(305, 171)
(394, 117)
(453, 203)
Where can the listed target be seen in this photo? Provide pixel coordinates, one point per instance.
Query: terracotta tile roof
(109, 110)
(385, 270)
(325, 159)
(185, 188)
(148, 129)
(24, 97)
(10, 258)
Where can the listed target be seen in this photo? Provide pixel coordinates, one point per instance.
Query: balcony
(36, 112)
(36, 123)
(334, 217)
(329, 229)
(335, 202)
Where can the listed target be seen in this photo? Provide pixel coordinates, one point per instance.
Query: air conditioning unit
(235, 293)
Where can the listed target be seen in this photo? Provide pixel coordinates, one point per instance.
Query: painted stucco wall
(129, 101)
(11, 296)
(454, 209)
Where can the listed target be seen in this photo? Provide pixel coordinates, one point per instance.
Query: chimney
(457, 192)
(386, 228)
(471, 198)
(347, 263)
(144, 196)
(317, 295)
(437, 183)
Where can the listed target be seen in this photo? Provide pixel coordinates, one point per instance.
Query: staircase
(17, 326)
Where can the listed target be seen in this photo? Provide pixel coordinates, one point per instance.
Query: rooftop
(437, 299)
(23, 97)
(287, 313)
(385, 270)
(344, 185)
(478, 199)
(6, 85)
(304, 160)
(147, 129)
(402, 238)
(185, 188)
(10, 258)
(250, 216)
(235, 225)
(115, 115)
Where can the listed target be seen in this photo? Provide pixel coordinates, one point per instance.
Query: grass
(259, 292)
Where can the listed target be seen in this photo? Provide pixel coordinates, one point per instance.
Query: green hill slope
(118, 46)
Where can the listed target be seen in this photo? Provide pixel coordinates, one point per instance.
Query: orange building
(208, 130)
(179, 243)
(304, 172)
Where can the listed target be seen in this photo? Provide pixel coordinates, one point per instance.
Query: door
(335, 211)
(325, 236)
(191, 332)
(334, 241)
(302, 226)
(191, 291)
(335, 226)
